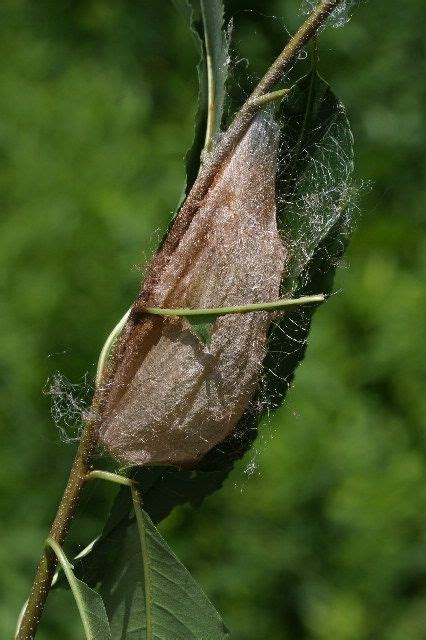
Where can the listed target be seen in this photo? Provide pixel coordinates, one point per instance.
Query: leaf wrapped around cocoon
(170, 399)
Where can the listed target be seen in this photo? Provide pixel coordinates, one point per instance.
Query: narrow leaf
(212, 45)
(216, 51)
(193, 155)
(89, 603)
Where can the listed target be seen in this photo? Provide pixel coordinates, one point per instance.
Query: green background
(317, 534)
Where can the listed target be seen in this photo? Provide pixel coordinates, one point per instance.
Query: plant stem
(230, 138)
(245, 308)
(271, 77)
(58, 532)
(84, 458)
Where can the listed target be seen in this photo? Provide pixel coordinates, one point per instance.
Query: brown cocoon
(170, 398)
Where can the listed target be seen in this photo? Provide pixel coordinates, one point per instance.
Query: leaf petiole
(111, 477)
(246, 308)
(109, 346)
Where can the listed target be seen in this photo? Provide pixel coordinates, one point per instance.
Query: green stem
(245, 308)
(111, 477)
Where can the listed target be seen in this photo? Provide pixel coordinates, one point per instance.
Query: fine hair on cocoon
(170, 398)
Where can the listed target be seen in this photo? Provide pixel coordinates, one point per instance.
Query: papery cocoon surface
(170, 399)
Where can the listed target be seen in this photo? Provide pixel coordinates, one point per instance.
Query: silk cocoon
(171, 398)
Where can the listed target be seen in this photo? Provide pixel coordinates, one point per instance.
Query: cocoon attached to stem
(169, 399)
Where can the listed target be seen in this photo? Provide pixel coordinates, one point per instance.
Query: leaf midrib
(146, 563)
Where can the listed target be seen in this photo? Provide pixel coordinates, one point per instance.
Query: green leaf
(306, 114)
(193, 155)
(288, 338)
(202, 327)
(89, 603)
(216, 51)
(210, 41)
(161, 489)
(314, 186)
(149, 594)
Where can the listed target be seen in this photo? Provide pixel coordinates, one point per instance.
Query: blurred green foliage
(318, 532)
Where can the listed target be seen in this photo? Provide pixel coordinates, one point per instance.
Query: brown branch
(58, 532)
